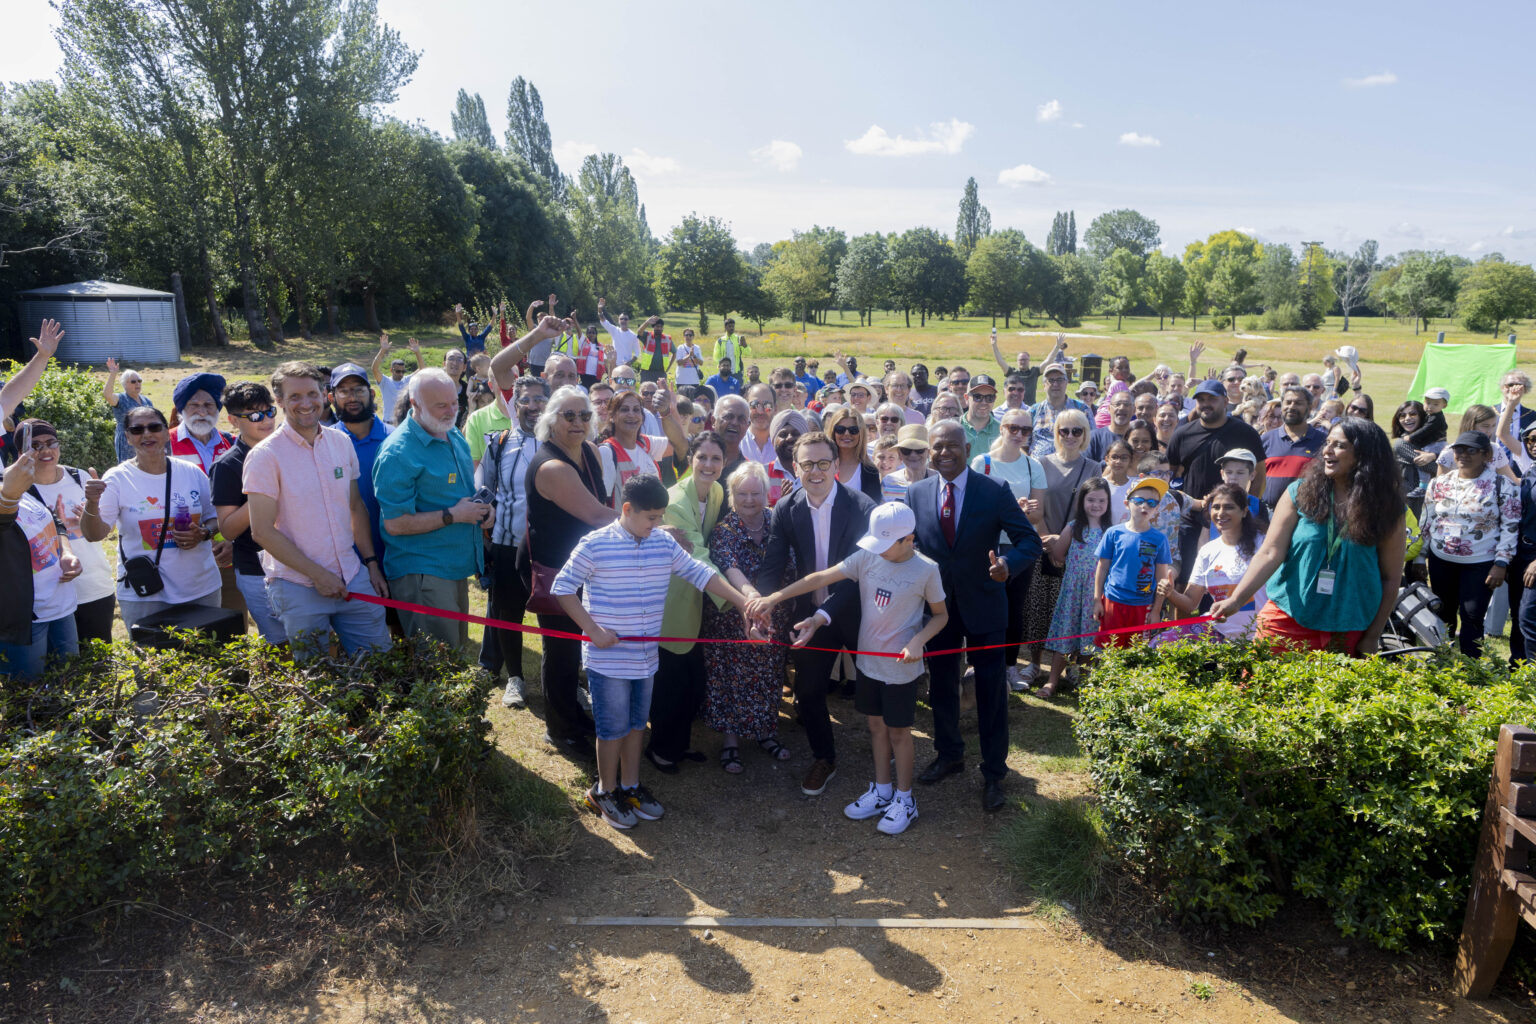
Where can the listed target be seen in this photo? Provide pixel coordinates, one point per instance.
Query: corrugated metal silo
(101, 318)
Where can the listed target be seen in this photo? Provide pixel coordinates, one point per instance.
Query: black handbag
(141, 573)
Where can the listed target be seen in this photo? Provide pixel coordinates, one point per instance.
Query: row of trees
(242, 144)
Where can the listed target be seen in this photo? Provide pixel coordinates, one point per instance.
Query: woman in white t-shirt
(52, 629)
(1221, 564)
(1009, 461)
(687, 358)
(132, 497)
(61, 489)
(624, 452)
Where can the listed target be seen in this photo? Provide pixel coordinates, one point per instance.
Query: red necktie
(947, 514)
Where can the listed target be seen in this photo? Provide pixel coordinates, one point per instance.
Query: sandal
(730, 760)
(774, 749)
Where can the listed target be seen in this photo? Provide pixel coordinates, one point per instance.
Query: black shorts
(895, 703)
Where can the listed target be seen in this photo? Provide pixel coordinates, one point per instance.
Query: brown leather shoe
(817, 778)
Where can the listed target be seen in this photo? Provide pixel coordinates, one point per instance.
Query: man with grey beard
(424, 478)
(198, 397)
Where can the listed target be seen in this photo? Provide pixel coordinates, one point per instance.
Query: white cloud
(1050, 111)
(778, 154)
(945, 137)
(1024, 174)
(1477, 246)
(1138, 139)
(1371, 81)
(569, 155)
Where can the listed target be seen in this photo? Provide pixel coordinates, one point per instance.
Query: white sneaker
(512, 696)
(868, 806)
(898, 815)
(1016, 681)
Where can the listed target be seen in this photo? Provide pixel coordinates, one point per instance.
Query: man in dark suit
(960, 515)
(820, 525)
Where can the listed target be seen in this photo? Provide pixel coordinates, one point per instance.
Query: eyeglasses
(1145, 502)
(351, 392)
(256, 415)
(784, 386)
(760, 404)
(1014, 428)
(819, 465)
(1070, 431)
(846, 428)
(139, 428)
(890, 419)
(572, 415)
(959, 382)
(1234, 380)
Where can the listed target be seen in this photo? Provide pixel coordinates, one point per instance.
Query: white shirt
(52, 598)
(97, 579)
(625, 343)
(688, 374)
(754, 452)
(821, 529)
(134, 503)
(389, 394)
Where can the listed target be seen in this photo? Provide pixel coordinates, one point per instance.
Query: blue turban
(192, 383)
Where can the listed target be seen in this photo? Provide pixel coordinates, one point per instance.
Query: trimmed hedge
(1360, 783)
(132, 767)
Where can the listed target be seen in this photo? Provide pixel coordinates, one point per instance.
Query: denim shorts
(619, 706)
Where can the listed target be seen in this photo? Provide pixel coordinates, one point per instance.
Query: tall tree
(997, 273)
(974, 223)
(699, 267)
(1067, 288)
(834, 245)
(1072, 232)
(756, 302)
(863, 275)
(1227, 264)
(523, 243)
(470, 123)
(1353, 277)
(798, 274)
(528, 133)
(1120, 281)
(1494, 292)
(1277, 277)
(1419, 285)
(1163, 285)
(1197, 284)
(1314, 275)
(1121, 229)
(611, 242)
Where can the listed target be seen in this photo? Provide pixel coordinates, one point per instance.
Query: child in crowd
(1132, 558)
(1434, 429)
(1169, 514)
(1117, 470)
(895, 583)
(623, 571)
(1077, 547)
(887, 456)
(1220, 565)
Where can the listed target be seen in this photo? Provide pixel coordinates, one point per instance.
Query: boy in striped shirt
(622, 571)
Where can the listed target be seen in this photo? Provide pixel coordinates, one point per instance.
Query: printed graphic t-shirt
(1133, 558)
(134, 502)
(52, 598)
(894, 597)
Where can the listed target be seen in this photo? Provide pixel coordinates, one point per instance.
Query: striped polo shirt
(623, 583)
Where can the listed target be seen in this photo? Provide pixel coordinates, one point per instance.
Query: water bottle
(182, 520)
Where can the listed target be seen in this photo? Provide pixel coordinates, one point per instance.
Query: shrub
(1220, 323)
(134, 766)
(1251, 323)
(1284, 317)
(70, 399)
(1230, 783)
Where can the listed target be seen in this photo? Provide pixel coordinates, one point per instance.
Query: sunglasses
(1355, 410)
(1145, 502)
(1070, 432)
(257, 415)
(760, 404)
(847, 429)
(696, 419)
(1014, 428)
(140, 428)
(821, 465)
(982, 396)
(890, 419)
(781, 386)
(571, 415)
(44, 446)
(960, 382)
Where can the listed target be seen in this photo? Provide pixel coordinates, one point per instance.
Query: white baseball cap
(888, 523)
(1239, 455)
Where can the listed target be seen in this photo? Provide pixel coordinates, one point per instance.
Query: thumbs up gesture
(999, 570)
(93, 488)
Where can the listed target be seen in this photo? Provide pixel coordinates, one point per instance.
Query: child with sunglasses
(251, 412)
(1132, 558)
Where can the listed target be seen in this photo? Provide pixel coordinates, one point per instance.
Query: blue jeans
(254, 590)
(56, 639)
(619, 706)
(308, 618)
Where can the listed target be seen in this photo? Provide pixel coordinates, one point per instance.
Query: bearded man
(198, 397)
(351, 395)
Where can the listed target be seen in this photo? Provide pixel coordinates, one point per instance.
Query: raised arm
(376, 368)
(997, 353)
(672, 423)
(108, 390)
(1194, 360)
(504, 363)
(20, 386)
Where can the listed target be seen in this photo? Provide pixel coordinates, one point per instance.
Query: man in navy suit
(820, 525)
(960, 515)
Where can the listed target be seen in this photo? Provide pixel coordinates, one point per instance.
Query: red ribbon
(421, 609)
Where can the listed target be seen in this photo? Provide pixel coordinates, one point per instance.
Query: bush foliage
(1229, 784)
(132, 767)
(70, 399)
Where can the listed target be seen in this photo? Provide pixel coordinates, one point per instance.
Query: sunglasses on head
(140, 428)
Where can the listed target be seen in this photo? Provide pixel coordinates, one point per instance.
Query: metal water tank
(102, 318)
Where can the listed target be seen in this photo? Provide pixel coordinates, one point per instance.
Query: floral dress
(743, 683)
(1071, 616)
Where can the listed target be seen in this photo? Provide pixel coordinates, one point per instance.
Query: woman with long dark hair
(1334, 548)
(1222, 563)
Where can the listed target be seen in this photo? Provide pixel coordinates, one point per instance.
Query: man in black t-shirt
(1198, 444)
(252, 414)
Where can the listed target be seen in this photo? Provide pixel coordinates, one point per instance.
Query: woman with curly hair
(1333, 557)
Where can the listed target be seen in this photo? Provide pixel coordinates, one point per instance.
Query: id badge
(1325, 582)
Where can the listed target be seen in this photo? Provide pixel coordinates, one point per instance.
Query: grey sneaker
(642, 803)
(512, 696)
(868, 805)
(611, 808)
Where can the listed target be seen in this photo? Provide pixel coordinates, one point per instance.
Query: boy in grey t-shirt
(895, 582)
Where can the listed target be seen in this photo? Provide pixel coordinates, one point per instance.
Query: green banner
(1469, 372)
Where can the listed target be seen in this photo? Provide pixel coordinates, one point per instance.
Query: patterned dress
(1071, 616)
(743, 682)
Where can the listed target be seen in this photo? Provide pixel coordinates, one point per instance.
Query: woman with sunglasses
(855, 469)
(1065, 469)
(566, 501)
(1009, 461)
(178, 535)
(1362, 406)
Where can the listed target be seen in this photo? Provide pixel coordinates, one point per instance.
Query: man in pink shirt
(311, 522)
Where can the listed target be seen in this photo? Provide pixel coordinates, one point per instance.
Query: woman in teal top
(1334, 548)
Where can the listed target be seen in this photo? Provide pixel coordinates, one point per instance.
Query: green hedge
(132, 767)
(69, 397)
(1361, 783)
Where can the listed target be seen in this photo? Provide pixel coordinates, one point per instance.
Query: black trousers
(991, 696)
(1462, 591)
(813, 676)
(560, 676)
(93, 619)
(1517, 638)
(676, 697)
(502, 649)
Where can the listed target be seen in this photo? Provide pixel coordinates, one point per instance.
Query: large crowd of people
(591, 475)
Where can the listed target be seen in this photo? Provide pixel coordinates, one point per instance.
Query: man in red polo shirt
(198, 397)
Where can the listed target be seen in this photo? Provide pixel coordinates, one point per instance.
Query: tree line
(242, 144)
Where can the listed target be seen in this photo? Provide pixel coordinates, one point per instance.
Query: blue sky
(1405, 122)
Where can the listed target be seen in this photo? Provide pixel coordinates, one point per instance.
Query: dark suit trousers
(502, 649)
(813, 674)
(563, 717)
(991, 696)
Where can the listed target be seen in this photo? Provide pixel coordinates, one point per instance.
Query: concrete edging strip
(805, 922)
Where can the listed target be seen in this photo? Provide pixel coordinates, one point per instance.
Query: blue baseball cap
(346, 370)
(1210, 387)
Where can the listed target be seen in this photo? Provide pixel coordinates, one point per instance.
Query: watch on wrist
(447, 518)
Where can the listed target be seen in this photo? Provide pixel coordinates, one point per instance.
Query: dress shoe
(992, 799)
(940, 768)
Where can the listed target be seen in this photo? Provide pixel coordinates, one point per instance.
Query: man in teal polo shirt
(424, 478)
